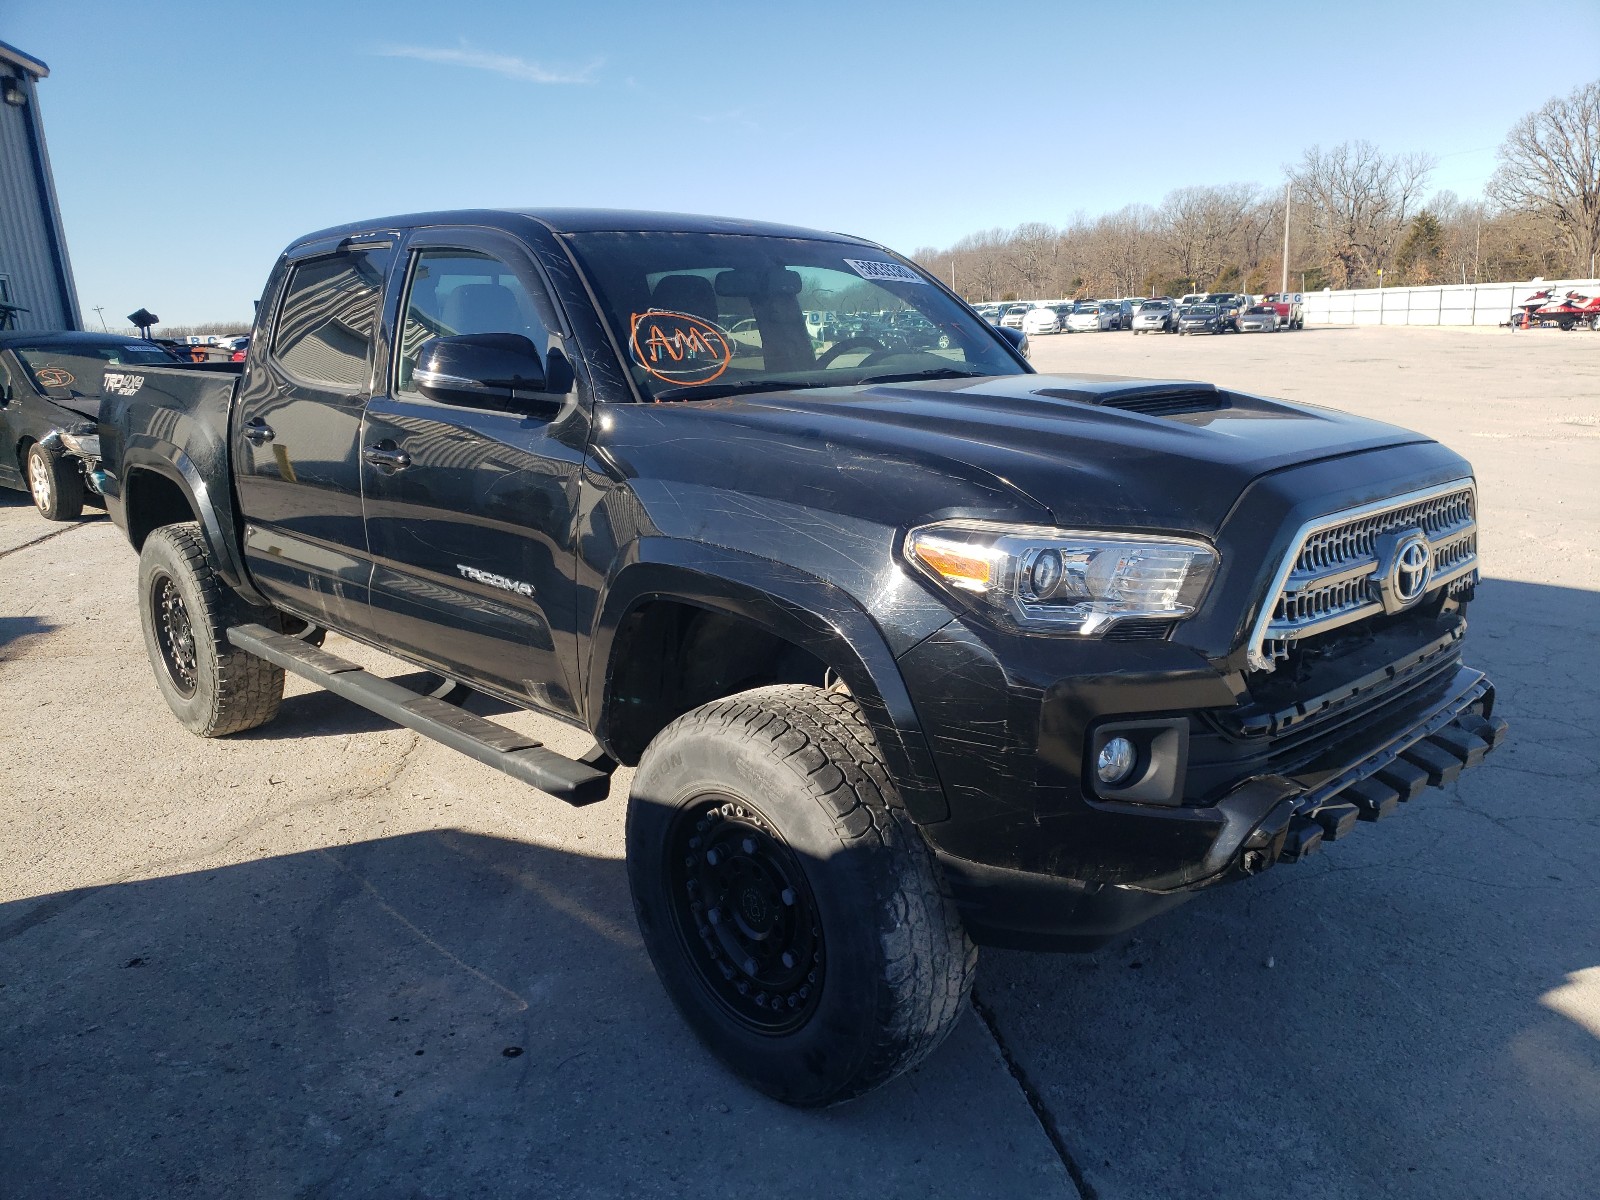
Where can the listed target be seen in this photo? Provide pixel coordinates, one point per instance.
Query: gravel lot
(329, 958)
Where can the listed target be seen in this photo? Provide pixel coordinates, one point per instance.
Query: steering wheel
(825, 359)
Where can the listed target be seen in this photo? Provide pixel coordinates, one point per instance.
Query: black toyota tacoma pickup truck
(914, 648)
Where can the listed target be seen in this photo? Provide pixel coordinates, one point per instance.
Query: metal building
(36, 288)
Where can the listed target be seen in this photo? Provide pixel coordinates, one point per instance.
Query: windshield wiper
(909, 376)
(710, 391)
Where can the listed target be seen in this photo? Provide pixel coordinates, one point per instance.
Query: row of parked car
(1198, 312)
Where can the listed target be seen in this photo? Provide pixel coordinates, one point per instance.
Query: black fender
(216, 521)
(802, 609)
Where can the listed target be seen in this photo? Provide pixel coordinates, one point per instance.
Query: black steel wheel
(185, 610)
(745, 913)
(174, 633)
(791, 908)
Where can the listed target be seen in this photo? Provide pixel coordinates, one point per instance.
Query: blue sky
(191, 142)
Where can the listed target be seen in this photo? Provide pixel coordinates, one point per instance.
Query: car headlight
(83, 440)
(1045, 580)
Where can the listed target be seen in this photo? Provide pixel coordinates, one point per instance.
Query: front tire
(55, 484)
(186, 609)
(791, 908)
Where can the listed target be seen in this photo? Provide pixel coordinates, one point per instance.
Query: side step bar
(506, 750)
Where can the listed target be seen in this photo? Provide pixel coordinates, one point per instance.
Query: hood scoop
(1151, 400)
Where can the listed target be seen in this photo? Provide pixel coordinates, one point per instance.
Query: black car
(1204, 318)
(50, 390)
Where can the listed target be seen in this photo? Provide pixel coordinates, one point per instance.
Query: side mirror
(478, 370)
(1017, 338)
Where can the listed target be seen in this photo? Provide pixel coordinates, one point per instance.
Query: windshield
(708, 314)
(1085, 306)
(1203, 310)
(1155, 304)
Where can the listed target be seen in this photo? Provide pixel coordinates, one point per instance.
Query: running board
(516, 754)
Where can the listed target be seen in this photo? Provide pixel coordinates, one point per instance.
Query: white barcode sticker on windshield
(869, 268)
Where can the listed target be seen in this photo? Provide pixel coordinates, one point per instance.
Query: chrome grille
(1330, 577)
(1357, 539)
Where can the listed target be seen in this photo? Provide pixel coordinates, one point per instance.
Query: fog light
(1116, 761)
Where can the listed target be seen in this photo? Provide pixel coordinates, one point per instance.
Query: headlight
(85, 444)
(1047, 580)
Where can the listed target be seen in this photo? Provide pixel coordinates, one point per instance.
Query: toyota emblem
(1410, 570)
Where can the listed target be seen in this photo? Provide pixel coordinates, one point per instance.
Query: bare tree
(1550, 166)
(1031, 253)
(1198, 228)
(1356, 202)
(1119, 251)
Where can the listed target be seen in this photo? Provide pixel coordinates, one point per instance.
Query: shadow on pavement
(439, 1014)
(20, 629)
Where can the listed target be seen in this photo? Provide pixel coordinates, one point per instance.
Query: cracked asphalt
(329, 958)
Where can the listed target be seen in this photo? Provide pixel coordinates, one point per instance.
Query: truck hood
(1095, 451)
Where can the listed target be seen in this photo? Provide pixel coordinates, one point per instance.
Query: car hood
(1078, 447)
(83, 406)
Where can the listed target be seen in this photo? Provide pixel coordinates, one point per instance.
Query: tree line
(1356, 215)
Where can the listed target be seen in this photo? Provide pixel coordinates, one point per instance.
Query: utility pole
(1287, 187)
(100, 311)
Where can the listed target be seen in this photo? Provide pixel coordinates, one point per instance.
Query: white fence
(1451, 304)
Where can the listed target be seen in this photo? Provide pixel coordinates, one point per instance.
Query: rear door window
(327, 320)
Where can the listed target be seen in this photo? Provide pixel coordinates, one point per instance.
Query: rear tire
(186, 609)
(55, 484)
(792, 910)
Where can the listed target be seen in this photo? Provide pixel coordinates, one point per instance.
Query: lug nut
(788, 960)
(750, 966)
(715, 916)
(787, 897)
(712, 858)
(748, 845)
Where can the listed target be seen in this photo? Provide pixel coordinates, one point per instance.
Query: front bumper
(1034, 858)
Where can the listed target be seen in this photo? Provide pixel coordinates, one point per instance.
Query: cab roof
(575, 220)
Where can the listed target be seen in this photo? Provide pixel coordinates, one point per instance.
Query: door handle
(387, 457)
(258, 432)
